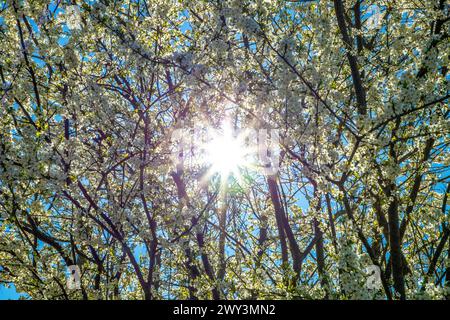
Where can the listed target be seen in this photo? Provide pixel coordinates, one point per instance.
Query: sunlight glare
(225, 153)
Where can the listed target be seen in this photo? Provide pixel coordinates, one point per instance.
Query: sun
(226, 153)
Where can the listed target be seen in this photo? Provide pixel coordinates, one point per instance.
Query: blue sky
(8, 293)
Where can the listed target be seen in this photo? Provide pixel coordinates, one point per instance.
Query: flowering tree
(341, 163)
